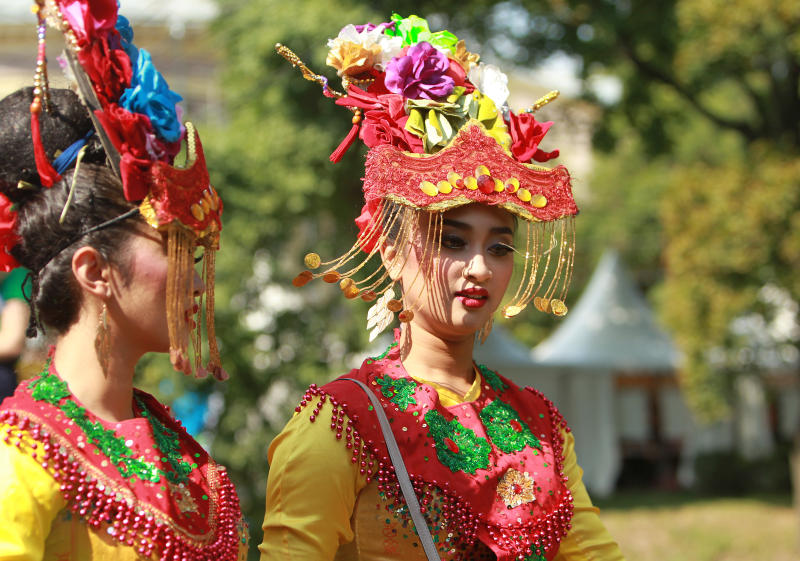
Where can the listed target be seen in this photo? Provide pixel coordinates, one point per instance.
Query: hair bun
(66, 122)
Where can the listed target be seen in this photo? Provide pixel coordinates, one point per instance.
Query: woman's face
(142, 293)
(460, 284)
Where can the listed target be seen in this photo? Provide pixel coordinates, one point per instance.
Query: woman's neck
(447, 362)
(107, 393)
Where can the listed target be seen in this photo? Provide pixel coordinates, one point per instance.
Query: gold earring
(102, 340)
(485, 329)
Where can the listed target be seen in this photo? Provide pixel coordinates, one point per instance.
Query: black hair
(47, 242)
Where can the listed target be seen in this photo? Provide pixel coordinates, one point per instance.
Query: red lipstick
(473, 297)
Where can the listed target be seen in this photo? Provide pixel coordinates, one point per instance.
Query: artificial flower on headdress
(440, 135)
(526, 134)
(414, 30)
(491, 81)
(358, 48)
(8, 235)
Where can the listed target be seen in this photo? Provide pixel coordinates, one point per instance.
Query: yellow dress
(320, 507)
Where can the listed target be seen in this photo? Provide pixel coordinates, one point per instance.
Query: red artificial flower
(108, 68)
(89, 19)
(526, 134)
(136, 175)
(8, 235)
(459, 76)
(126, 130)
(384, 119)
(363, 222)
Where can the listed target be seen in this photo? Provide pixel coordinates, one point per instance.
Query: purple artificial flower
(420, 73)
(370, 26)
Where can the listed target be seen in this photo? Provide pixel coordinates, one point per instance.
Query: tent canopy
(611, 327)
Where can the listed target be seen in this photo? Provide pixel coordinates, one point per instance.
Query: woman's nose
(477, 269)
(199, 287)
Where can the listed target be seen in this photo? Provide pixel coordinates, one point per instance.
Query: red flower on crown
(526, 134)
(8, 235)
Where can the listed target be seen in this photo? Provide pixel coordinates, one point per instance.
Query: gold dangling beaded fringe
(547, 292)
(180, 293)
(209, 273)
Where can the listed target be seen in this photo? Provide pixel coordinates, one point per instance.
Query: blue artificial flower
(150, 95)
(126, 33)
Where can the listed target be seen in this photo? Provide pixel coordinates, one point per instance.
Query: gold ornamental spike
(295, 61)
(544, 100)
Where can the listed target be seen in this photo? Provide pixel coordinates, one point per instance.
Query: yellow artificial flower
(463, 57)
(352, 59)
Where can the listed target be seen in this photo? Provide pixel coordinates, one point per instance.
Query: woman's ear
(389, 256)
(92, 272)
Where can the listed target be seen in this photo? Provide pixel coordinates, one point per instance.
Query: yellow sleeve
(311, 491)
(29, 502)
(588, 540)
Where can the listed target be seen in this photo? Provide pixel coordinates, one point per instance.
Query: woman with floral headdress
(452, 200)
(93, 204)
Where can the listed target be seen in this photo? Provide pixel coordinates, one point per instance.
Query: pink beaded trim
(129, 523)
(545, 534)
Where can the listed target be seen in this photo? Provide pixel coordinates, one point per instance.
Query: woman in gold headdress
(452, 200)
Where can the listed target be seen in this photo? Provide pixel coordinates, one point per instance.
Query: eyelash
(450, 241)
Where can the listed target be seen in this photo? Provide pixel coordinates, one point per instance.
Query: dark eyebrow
(464, 226)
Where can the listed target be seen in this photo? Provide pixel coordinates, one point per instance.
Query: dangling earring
(102, 340)
(485, 329)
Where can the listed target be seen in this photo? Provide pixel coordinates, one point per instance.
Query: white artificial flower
(491, 82)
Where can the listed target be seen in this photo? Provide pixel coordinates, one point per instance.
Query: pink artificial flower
(88, 19)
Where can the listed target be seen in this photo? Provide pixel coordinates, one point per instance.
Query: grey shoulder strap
(412, 502)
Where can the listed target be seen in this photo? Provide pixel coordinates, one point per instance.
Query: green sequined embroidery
(492, 379)
(472, 452)
(506, 429)
(382, 356)
(168, 444)
(400, 391)
(536, 557)
(51, 389)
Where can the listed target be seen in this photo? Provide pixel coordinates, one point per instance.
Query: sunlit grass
(680, 527)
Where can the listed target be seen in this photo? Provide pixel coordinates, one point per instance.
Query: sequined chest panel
(488, 471)
(145, 481)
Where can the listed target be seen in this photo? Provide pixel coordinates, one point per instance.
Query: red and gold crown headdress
(440, 136)
(137, 119)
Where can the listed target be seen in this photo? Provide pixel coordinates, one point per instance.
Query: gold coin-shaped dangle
(312, 260)
(346, 283)
(368, 295)
(302, 279)
(405, 316)
(331, 277)
(351, 291)
(511, 311)
(394, 305)
(558, 307)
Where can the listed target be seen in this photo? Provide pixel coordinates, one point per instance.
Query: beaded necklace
(50, 388)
